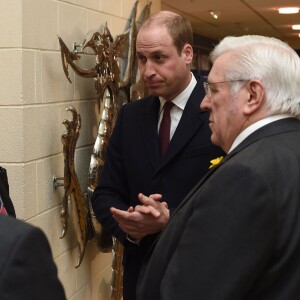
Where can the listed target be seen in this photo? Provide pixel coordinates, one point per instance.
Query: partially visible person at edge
(236, 236)
(6, 205)
(133, 161)
(27, 269)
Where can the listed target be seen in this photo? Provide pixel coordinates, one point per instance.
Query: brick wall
(34, 96)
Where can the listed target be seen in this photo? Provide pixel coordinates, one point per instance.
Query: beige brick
(127, 6)
(22, 178)
(46, 169)
(111, 7)
(91, 4)
(10, 24)
(31, 77)
(12, 134)
(49, 223)
(84, 271)
(41, 136)
(96, 21)
(11, 77)
(38, 77)
(101, 284)
(72, 24)
(40, 28)
(55, 85)
(28, 76)
(67, 272)
(118, 26)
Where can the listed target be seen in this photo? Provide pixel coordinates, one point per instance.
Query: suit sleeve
(112, 190)
(29, 271)
(227, 240)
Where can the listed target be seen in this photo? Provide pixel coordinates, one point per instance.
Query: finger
(165, 204)
(156, 197)
(154, 212)
(124, 222)
(122, 216)
(146, 200)
(144, 209)
(130, 209)
(147, 210)
(118, 212)
(125, 217)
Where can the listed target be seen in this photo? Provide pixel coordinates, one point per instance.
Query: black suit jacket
(27, 270)
(133, 165)
(4, 193)
(236, 236)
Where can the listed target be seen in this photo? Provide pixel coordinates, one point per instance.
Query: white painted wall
(34, 95)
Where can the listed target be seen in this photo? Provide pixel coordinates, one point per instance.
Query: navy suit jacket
(133, 165)
(236, 236)
(27, 270)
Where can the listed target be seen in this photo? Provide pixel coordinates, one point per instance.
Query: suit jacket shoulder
(27, 269)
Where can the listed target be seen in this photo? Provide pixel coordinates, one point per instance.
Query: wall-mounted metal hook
(56, 182)
(77, 48)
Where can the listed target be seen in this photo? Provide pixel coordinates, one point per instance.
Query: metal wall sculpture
(84, 228)
(113, 90)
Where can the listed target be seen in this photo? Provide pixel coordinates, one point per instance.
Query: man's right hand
(145, 219)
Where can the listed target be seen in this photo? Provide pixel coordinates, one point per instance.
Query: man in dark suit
(27, 270)
(134, 163)
(236, 236)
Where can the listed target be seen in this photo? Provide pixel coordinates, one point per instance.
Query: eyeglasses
(207, 85)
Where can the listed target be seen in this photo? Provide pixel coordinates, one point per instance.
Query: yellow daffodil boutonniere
(216, 161)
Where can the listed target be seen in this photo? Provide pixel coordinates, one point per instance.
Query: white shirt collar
(181, 100)
(246, 132)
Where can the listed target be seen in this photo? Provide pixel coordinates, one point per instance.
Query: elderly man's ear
(256, 97)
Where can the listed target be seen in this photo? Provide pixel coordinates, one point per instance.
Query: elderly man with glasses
(236, 236)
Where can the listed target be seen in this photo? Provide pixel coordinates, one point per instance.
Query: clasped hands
(148, 218)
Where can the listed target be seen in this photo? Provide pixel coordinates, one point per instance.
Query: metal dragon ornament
(113, 91)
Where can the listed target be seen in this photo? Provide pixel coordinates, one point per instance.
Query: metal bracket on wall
(57, 182)
(77, 48)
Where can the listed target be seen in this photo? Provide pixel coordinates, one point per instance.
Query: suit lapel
(190, 122)
(196, 187)
(149, 131)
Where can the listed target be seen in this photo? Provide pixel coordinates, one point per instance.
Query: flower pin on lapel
(216, 161)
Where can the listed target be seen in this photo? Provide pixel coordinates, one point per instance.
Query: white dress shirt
(255, 126)
(177, 109)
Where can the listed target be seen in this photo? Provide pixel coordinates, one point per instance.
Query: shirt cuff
(132, 240)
